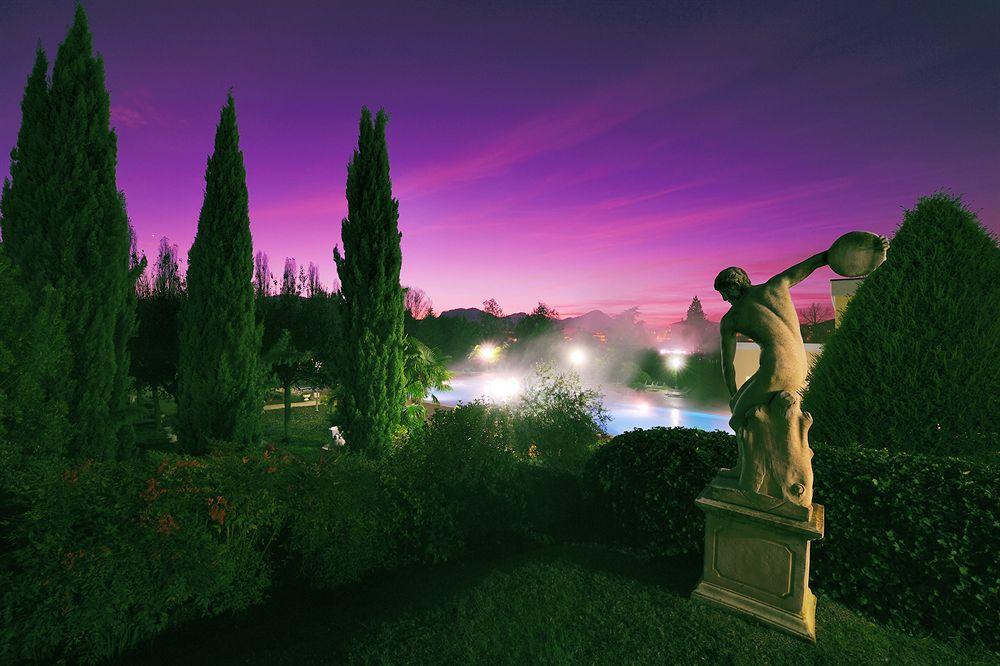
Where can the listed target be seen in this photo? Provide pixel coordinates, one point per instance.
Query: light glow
(487, 352)
(502, 389)
(676, 362)
(577, 356)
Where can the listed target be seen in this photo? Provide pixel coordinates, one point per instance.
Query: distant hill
(594, 321)
(476, 315)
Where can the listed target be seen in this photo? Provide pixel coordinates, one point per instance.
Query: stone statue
(759, 516)
(773, 471)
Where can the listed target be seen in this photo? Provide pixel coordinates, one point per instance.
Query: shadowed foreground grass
(555, 605)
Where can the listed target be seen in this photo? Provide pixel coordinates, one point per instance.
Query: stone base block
(757, 564)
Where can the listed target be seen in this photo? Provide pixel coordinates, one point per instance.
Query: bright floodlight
(487, 352)
(577, 356)
(675, 362)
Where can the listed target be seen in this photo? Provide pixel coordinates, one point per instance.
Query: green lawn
(554, 605)
(308, 430)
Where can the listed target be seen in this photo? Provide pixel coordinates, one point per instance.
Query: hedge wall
(909, 540)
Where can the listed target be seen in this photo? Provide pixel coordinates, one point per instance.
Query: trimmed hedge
(912, 367)
(910, 539)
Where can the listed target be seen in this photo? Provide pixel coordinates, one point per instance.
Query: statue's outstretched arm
(798, 272)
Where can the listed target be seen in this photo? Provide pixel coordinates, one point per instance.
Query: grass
(308, 429)
(554, 605)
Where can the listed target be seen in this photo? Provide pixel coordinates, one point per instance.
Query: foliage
(105, 554)
(906, 534)
(539, 323)
(425, 371)
(340, 522)
(695, 313)
(913, 365)
(451, 476)
(649, 369)
(648, 480)
(155, 349)
(219, 375)
(296, 332)
(453, 337)
(66, 225)
(492, 307)
(371, 402)
(557, 422)
(263, 278)
(33, 415)
(416, 302)
(701, 379)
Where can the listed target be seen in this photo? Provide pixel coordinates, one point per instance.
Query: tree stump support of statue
(760, 520)
(759, 525)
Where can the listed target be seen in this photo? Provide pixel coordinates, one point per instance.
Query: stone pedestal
(757, 564)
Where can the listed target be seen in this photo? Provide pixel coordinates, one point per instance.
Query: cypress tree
(23, 203)
(33, 412)
(373, 395)
(91, 238)
(220, 393)
(34, 356)
(65, 223)
(913, 365)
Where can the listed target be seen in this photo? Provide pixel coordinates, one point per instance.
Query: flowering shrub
(105, 554)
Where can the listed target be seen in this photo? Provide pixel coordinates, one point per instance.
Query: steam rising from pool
(628, 408)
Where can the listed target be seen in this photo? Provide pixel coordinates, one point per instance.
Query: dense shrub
(458, 483)
(908, 537)
(556, 421)
(102, 555)
(641, 472)
(913, 365)
(340, 524)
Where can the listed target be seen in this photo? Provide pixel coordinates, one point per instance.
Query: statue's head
(731, 283)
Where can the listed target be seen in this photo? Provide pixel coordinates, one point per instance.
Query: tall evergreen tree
(913, 365)
(220, 393)
(34, 353)
(66, 222)
(373, 391)
(33, 412)
(695, 313)
(24, 206)
(92, 253)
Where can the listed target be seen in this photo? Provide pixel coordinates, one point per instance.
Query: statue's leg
(737, 422)
(754, 392)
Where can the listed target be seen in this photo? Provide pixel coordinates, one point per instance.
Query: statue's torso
(766, 315)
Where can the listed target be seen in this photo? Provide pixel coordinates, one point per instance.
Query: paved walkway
(302, 403)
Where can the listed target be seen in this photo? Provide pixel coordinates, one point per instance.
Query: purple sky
(589, 155)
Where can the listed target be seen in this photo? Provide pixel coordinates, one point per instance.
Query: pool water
(628, 408)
